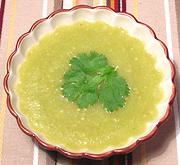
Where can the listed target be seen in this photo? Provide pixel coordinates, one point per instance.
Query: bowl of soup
(89, 82)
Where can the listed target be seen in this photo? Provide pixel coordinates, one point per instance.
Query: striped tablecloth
(16, 16)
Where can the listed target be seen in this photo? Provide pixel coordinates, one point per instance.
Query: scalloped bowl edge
(125, 20)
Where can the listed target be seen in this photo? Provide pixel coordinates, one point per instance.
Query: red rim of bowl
(85, 154)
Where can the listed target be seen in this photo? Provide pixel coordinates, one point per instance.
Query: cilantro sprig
(91, 79)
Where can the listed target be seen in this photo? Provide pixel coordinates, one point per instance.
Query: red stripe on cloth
(1, 16)
(123, 6)
(117, 5)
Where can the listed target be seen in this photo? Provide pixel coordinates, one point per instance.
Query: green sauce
(61, 122)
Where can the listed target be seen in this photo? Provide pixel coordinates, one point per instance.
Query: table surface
(16, 16)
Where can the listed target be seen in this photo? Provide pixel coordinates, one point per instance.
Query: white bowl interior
(135, 29)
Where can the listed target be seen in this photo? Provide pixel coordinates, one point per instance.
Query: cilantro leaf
(90, 78)
(86, 99)
(89, 64)
(113, 92)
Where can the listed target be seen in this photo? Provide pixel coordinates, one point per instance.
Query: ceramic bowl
(135, 28)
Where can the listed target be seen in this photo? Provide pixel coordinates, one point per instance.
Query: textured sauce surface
(61, 122)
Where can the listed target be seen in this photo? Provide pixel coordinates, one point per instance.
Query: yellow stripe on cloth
(95, 2)
(104, 3)
(8, 51)
(74, 3)
(135, 8)
(112, 4)
(84, 2)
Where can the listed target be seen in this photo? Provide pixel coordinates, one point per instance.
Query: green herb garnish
(90, 78)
